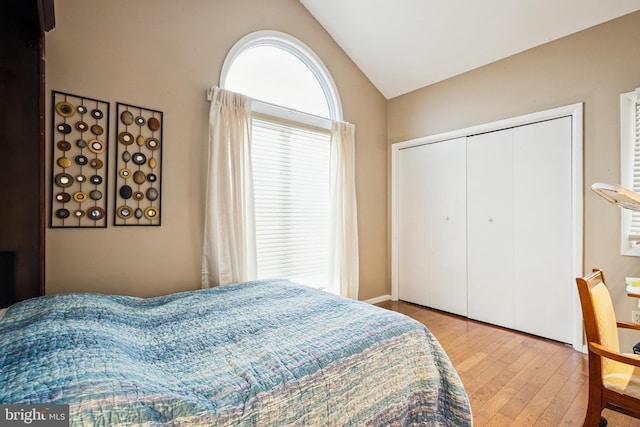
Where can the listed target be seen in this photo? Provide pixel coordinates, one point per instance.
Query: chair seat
(623, 379)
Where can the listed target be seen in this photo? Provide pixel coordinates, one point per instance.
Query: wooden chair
(614, 377)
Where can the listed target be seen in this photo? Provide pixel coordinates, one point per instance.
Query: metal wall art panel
(79, 160)
(138, 174)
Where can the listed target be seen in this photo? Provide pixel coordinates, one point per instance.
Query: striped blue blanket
(264, 353)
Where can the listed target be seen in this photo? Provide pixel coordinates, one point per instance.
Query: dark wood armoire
(23, 24)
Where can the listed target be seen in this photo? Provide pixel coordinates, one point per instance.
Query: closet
(486, 223)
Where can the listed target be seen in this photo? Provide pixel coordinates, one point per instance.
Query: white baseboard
(377, 300)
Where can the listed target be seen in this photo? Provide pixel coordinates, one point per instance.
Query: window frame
(629, 129)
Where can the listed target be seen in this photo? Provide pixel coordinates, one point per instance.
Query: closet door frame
(575, 111)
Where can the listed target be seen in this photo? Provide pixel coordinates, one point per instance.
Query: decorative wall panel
(138, 172)
(79, 161)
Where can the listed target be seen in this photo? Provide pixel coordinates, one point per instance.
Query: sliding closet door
(490, 233)
(543, 212)
(432, 225)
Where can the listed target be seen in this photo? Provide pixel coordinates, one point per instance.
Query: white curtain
(343, 249)
(229, 248)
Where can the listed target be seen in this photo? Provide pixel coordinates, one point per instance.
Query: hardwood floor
(512, 378)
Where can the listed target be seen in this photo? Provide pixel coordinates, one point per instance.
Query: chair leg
(593, 417)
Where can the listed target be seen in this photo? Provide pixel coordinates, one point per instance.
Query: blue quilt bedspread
(264, 353)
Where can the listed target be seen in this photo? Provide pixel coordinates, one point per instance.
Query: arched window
(294, 101)
(279, 70)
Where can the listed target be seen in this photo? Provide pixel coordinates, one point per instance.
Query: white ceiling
(403, 45)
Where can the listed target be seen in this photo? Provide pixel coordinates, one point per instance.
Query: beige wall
(163, 54)
(594, 66)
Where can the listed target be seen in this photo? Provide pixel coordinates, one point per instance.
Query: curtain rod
(282, 112)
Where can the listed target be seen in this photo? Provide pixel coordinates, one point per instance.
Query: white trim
(575, 111)
(378, 300)
(554, 113)
(577, 217)
(295, 47)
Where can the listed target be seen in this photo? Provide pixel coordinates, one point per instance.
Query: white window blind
(291, 184)
(634, 233)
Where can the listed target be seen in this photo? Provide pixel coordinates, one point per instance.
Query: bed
(262, 353)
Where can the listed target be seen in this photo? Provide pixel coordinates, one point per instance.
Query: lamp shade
(618, 195)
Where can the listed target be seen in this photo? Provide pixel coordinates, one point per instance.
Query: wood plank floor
(512, 378)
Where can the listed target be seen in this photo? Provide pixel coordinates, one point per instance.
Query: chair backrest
(599, 316)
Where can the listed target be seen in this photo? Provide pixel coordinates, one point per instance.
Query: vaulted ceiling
(403, 45)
